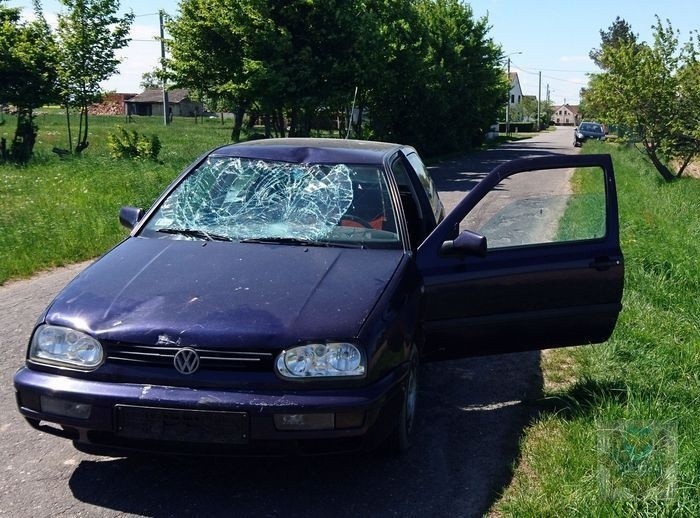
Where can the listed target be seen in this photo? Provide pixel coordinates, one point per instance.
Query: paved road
(471, 416)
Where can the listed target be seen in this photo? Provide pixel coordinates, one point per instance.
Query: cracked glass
(239, 199)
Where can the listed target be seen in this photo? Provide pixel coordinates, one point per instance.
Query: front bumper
(363, 416)
(585, 138)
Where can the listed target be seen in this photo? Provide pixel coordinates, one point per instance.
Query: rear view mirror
(467, 243)
(130, 216)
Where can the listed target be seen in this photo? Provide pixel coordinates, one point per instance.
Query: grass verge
(58, 211)
(616, 434)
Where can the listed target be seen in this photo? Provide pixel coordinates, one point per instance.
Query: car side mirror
(467, 243)
(129, 216)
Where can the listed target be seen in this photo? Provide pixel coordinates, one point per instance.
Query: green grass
(584, 217)
(59, 211)
(617, 434)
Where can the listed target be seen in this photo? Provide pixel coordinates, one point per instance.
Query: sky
(553, 37)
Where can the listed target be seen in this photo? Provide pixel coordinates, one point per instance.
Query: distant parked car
(279, 295)
(587, 131)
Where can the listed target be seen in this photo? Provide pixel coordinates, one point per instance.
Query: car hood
(224, 295)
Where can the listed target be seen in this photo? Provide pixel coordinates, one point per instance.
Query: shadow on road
(471, 416)
(463, 173)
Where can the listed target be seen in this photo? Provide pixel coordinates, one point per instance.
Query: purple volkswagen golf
(280, 294)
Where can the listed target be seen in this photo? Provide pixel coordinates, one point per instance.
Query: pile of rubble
(107, 108)
(112, 104)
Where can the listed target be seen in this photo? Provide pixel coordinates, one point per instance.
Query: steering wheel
(350, 220)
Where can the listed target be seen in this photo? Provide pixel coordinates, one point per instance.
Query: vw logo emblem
(186, 361)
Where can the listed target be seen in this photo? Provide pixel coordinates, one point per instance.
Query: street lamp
(509, 90)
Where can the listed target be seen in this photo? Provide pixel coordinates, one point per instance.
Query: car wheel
(399, 440)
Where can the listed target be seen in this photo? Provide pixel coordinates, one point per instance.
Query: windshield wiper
(298, 242)
(195, 232)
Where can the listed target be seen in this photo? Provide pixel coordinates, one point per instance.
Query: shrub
(130, 144)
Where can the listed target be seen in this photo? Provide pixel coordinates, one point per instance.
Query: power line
(564, 80)
(569, 70)
(547, 76)
(530, 71)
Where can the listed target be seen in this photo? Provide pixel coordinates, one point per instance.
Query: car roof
(312, 150)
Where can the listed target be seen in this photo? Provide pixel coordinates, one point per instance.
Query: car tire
(400, 438)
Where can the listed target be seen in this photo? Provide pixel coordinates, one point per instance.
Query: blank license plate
(172, 424)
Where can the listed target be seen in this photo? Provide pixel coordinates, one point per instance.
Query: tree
(89, 34)
(262, 55)
(618, 34)
(424, 70)
(225, 50)
(441, 81)
(653, 92)
(527, 111)
(27, 74)
(462, 77)
(150, 80)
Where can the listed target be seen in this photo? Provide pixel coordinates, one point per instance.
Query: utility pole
(510, 89)
(539, 100)
(166, 105)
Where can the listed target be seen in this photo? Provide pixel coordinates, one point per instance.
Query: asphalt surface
(471, 415)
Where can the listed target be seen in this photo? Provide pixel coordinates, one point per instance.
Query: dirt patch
(693, 170)
(558, 369)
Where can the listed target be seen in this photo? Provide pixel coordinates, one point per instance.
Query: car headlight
(321, 360)
(579, 135)
(56, 345)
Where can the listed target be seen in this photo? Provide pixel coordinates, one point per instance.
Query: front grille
(211, 359)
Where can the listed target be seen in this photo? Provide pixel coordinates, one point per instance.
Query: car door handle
(604, 263)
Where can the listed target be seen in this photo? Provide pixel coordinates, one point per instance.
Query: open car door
(537, 263)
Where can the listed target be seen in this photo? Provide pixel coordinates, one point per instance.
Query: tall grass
(621, 437)
(55, 211)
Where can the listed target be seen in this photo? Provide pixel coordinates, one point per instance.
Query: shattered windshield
(239, 199)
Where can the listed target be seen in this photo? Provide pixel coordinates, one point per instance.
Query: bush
(130, 144)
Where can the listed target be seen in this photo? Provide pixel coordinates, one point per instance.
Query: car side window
(411, 207)
(539, 207)
(427, 183)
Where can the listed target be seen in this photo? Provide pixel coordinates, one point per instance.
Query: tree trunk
(293, 122)
(308, 120)
(85, 135)
(70, 136)
(660, 167)
(358, 126)
(82, 131)
(279, 116)
(78, 149)
(25, 136)
(237, 123)
(268, 125)
(691, 155)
